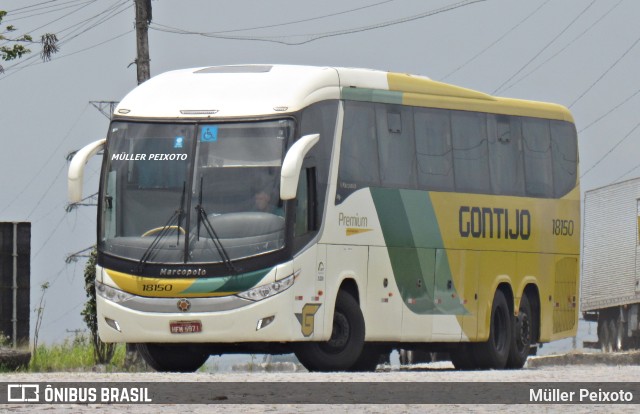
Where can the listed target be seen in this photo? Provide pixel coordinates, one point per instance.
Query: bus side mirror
(76, 169)
(293, 163)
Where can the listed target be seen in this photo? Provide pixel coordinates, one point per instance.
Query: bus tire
(369, 359)
(621, 337)
(342, 350)
(603, 334)
(613, 334)
(173, 358)
(522, 335)
(463, 358)
(494, 353)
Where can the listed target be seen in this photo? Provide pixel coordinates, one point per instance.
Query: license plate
(182, 327)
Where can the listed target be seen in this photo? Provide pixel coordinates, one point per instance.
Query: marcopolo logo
(494, 223)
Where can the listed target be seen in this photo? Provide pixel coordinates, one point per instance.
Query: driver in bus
(262, 203)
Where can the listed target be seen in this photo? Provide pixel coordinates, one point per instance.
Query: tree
(103, 352)
(14, 47)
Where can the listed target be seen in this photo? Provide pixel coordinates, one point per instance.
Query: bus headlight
(110, 293)
(265, 291)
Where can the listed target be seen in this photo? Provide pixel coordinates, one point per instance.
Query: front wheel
(173, 358)
(343, 349)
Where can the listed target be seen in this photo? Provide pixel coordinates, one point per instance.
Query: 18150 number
(563, 227)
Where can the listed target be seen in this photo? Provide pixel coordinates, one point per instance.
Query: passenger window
(358, 151)
(470, 154)
(505, 154)
(538, 167)
(433, 149)
(565, 157)
(396, 146)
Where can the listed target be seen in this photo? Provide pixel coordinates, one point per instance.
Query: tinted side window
(396, 146)
(320, 119)
(505, 154)
(565, 157)
(358, 151)
(470, 154)
(538, 168)
(433, 149)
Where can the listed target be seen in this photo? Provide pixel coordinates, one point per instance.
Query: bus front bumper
(198, 320)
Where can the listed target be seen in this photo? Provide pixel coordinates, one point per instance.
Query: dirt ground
(545, 372)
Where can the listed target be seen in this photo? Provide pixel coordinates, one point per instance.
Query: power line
(90, 200)
(606, 72)
(55, 178)
(12, 19)
(545, 47)
(49, 237)
(609, 111)
(246, 29)
(73, 257)
(594, 24)
(474, 57)
(66, 313)
(86, 48)
(55, 20)
(627, 173)
(31, 60)
(36, 5)
(93, 46)
(43, 165)
(310, 37)
(611, 150)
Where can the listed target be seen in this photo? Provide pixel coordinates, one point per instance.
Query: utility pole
(143, 18)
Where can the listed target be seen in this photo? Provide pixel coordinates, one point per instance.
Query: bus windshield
(199, 193)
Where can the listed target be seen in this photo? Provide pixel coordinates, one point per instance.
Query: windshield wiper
(176, 218)
(203, 219)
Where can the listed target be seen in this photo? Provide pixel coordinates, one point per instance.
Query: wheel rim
(523, 332)
(340, 335)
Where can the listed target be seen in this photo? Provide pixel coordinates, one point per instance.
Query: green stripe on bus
(416, 251)
(237, 283)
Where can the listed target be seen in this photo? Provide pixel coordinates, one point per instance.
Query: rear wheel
(173, 358)
(494, 353)
(345, 346)
(604, 335)
(406, 357)
(621, 343)
(522, 335)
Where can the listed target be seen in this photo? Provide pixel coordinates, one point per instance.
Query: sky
(583, 54)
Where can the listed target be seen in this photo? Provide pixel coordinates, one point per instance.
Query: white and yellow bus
(336, 213)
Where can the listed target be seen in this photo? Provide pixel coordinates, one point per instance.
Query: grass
(74, 354)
